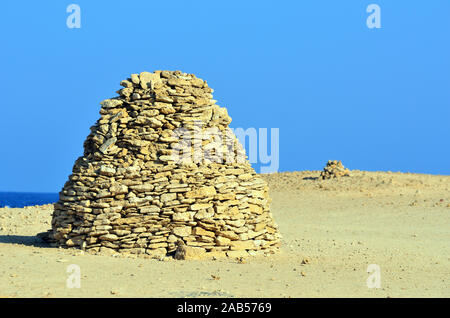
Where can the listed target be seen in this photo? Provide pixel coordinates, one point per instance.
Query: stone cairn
(128, 193)
(334, 169)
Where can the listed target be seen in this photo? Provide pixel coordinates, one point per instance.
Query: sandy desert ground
(332, 230)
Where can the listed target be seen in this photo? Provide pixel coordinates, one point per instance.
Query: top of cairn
(334, 169)
(163, 175)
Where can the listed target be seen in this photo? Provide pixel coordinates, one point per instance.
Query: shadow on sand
(23, 240)
(311, 178)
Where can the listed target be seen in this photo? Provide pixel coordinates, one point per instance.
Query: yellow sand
(332, 230)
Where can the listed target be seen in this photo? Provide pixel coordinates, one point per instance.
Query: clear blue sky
(377, 99)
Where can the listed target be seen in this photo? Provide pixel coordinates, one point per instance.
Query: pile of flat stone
(334, 169)
(129, 193)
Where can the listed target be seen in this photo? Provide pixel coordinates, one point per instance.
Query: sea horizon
(17, 199)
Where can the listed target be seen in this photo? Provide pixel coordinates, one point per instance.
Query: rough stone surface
(190, 253)
(130, 193)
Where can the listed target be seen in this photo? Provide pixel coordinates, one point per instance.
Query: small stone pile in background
(334, 169)
(127, 194)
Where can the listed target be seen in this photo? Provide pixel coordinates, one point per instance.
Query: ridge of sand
(332, 230)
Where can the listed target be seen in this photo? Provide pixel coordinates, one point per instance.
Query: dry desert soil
(332, 231)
